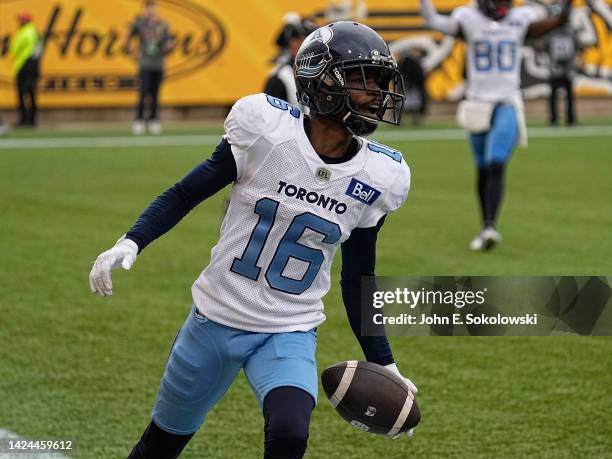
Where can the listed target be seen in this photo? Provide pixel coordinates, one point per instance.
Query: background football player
(302, 187)
(494, 32)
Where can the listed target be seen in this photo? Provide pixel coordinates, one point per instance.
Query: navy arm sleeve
(359, 259)
(177, 201)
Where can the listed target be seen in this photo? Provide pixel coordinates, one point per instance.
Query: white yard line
(109, 142)
(213, 139)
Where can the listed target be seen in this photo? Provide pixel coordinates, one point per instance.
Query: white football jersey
(494, 52)
(289, 212)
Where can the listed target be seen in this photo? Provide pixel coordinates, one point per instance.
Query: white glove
(408, 433)
(122, 254)
(410, 384)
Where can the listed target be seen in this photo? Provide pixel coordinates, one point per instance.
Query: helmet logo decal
(313, 60)
(322, 34)
(314, 53)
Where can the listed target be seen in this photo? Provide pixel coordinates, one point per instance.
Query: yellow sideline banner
(224, 49)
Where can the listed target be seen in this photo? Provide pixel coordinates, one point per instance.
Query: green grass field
(78, 366)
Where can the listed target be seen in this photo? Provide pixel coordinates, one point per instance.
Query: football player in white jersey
(302, 187)
(494, 32)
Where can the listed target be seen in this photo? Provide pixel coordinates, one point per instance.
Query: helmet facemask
(386, 96)
(323, 85)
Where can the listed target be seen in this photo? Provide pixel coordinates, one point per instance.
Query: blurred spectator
(280, 82)
(414, 85)
(562, 52)
(26, 50)
(154, 43)
(3, 127)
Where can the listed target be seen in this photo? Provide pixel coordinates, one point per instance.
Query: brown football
(370, 397)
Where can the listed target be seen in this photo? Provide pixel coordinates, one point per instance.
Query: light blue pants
(206, 358)
(496, 145)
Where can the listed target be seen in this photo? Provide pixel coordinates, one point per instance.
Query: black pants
(555, 85)
(27, 79)
(150, 81)
(287, 413)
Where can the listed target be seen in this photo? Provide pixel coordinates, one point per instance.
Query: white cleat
(486, 239)
(155, 127)
(138, 127)
(477, 243)
(491, 238)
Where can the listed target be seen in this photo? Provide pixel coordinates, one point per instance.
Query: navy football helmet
(495, 9)
(348, 56)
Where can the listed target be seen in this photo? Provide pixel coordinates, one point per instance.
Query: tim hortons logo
(84, 44)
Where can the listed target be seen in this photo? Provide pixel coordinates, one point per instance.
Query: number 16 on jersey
(287, 248)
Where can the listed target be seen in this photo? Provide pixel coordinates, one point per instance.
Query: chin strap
(358, 125)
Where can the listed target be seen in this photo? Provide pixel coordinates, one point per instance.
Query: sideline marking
(213, 139)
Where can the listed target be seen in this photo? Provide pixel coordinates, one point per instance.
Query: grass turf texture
(83, 367)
